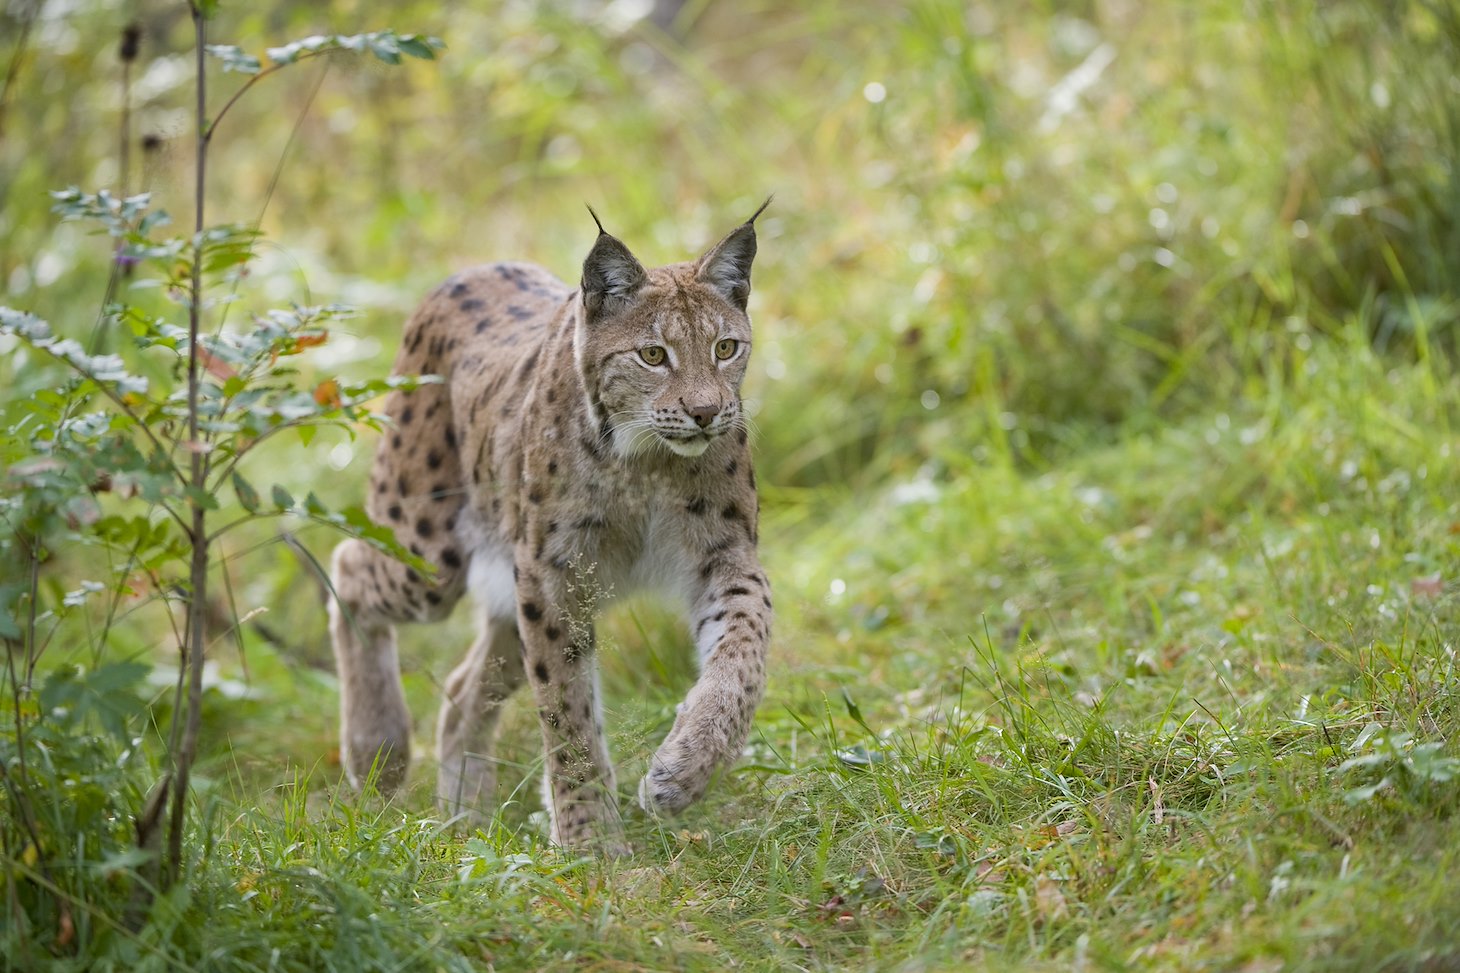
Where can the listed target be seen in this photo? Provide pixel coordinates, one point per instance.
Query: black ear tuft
(762, 209)
(611, 274)
(599, 223)
(726, 267)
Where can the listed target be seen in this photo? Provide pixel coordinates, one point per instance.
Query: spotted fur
(562, 462)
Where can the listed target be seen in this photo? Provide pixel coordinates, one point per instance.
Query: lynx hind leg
(373, 593)
(474, 695)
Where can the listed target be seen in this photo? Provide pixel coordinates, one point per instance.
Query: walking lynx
(596, 431)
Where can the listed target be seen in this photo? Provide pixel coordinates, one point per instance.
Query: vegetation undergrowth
(1105, 366)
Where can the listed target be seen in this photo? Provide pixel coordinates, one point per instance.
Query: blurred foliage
(1058, 307)
(996, 228)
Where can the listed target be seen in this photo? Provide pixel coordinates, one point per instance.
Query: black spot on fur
(394, 512)
(483, 325)
(433, 597)
(450, 438)
(459, 289)
(531, 612)
(696, 506)
(395, 440)
(590, 523)
(552, 632)
(406, 415)
(732, 512)
(433, 460)
(552, 467)
(471, 304)
(518, 312)
(731, 467)
(541, 672)
(534, 495)
(424, 527)
(731, 592)
(451, 558)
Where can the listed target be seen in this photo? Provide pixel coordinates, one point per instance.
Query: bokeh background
(1109, 339)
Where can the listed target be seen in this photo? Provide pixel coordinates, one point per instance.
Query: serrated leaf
(422, 47)
(108, 370)
(384, 47)
(234, 58)
(248, 497)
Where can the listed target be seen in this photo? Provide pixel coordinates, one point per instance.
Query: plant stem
(198, 534)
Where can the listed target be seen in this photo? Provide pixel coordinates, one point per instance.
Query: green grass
(1109, 494)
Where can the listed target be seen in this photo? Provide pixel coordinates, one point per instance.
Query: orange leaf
(216, 366)
(327, 393)
(310, 340)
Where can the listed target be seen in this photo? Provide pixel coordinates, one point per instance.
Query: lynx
(583, 443)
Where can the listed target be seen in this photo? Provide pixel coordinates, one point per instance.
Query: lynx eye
(652, 355)
(725, 348)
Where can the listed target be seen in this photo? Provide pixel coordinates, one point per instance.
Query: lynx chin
(591, 431)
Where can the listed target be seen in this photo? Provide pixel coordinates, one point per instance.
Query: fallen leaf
(1049, 900)
(1430, 586)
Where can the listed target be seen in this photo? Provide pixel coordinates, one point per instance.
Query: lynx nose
(703, 414)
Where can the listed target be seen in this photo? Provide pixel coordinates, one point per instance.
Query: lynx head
(662, 352)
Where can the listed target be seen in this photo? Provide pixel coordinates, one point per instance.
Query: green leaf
(10, 595)
(110, 693)
(314, 505)
(107, 370)
(422, 47)
(234, 58)
(201, 498)
(248, 497)
(386, 45)
(282, 499)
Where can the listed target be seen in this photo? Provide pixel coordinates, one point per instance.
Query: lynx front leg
(732, 624)
(475, 692)
(578, 786)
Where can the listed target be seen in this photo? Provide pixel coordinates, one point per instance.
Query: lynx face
(670, 368)
(662, 353)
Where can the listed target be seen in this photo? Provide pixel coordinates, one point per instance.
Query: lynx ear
(611, 274)
(727, 266)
